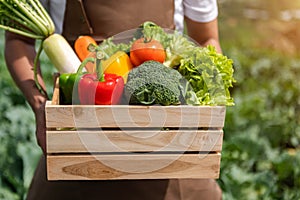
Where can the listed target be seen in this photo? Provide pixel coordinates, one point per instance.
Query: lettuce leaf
(210, 75)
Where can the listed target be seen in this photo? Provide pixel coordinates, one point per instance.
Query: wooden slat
(133, 141)
(58, 116)
(135, 166)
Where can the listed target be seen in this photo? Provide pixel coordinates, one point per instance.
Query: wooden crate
(132, 142)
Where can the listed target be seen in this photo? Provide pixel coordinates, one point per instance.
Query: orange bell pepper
(119, 63)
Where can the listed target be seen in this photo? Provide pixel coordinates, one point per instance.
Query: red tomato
(143, 50)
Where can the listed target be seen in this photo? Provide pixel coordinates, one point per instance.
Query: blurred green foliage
(18, 152)
(261, 154)
(261, 149)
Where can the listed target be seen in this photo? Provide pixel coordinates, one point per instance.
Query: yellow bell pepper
(119, 63)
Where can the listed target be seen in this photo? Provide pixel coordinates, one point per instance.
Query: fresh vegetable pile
(158, 67)
(207, 74)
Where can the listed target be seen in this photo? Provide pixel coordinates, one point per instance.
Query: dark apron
(105, 18)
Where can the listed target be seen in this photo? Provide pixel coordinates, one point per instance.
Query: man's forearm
(204, 33)
(19, 56)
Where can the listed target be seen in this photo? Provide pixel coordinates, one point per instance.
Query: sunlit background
(262, 24)
(261, 149)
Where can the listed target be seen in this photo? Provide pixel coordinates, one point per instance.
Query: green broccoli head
(154, 83)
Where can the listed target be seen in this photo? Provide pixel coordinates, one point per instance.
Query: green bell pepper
(68, 85)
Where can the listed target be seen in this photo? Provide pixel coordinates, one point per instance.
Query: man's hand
(41, 127)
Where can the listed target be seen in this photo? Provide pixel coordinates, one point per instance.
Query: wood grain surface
(135, 166)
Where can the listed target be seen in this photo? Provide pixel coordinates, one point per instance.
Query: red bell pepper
(99, 88)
